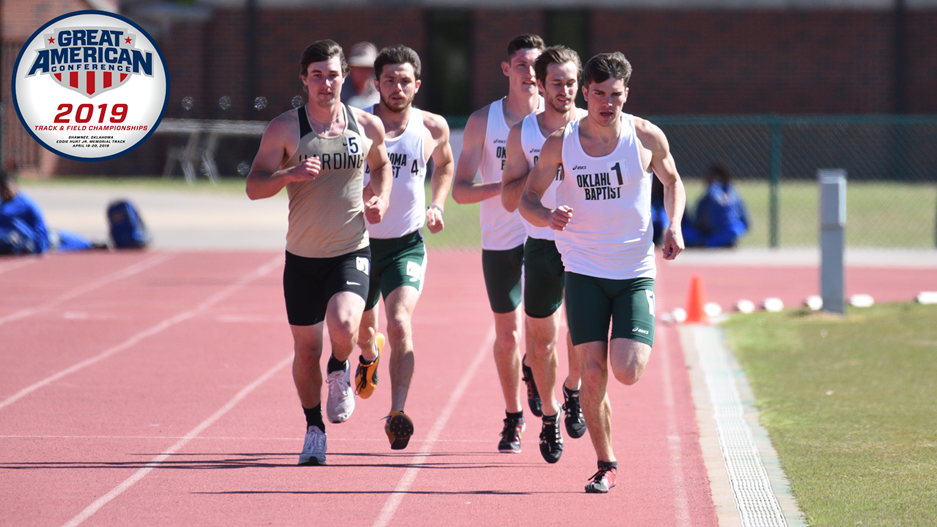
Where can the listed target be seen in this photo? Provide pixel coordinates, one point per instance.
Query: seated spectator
(720, 217)
(22, 226)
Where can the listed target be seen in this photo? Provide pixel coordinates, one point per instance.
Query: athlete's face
(324, 80)
(605, 99)
(398, 86)
(562, 83)
(520, 71)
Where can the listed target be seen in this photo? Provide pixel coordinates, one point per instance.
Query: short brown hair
(523, 42)
(322, 50)
(606, 66)
(556, 55)
(398, 54)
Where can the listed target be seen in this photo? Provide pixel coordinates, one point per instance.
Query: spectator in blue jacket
(720, 218)
(23, 229)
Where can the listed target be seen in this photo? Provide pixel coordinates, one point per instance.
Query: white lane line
(172, 321)
(403, 486)
(674, 443)
(20, 262)
(123, 273)
(138, 475)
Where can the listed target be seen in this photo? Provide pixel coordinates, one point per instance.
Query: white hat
(362, 55)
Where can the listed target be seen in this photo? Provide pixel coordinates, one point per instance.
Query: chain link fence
(891, 165)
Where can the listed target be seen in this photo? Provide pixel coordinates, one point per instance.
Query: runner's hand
(308, 170)
(434, 220)
(673, 243)
(374, 209)
(560, 218)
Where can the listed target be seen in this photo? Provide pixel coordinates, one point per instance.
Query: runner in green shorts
(602, 219)
(398, 264)
(503, 234)
(557, 70)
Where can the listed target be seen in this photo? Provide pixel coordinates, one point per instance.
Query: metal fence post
(832, 239)
(774, 213)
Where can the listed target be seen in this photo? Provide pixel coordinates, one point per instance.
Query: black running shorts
(543, 278)
(502, 270)
(309, 283)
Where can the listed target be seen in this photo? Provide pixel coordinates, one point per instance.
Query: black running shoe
(573, 418)
(533, 396)
(511, 436)
(551, 439)
(604, 479)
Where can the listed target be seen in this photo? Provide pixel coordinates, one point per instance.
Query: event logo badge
(90, 85)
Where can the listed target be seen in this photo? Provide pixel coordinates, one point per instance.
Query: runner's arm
(442, 174)
(539, 180)
(266, 178)
(665, 168)
(464, 187)
(514, 178)
(382, 175)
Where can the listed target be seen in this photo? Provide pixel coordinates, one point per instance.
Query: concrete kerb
(721, 392)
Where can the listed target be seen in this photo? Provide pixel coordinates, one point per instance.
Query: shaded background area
(775, 89)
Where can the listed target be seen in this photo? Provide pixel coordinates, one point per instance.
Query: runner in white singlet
(558, 70)
(602, 219)
(484, 151)
(398, 256)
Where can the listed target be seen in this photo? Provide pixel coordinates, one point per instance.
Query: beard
(395, 107)
(557, 107)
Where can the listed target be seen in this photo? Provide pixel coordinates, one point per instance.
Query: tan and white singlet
(327, 215)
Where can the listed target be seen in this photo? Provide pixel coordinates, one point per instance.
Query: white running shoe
(314, 447)
(341, 402)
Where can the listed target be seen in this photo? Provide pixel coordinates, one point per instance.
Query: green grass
(463, 231)
(887, 215)
(849, 404)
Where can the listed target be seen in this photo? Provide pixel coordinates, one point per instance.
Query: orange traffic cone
(695, 313)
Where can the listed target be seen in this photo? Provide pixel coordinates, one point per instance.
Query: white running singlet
(501, 230)
(610, 234)
(406, 209)
(532, 140)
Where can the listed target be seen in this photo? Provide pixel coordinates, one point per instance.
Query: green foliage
(849, 406)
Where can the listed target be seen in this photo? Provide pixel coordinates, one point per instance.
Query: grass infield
(885, 215)
(849, 404)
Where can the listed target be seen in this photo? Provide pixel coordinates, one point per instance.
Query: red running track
(153, 388)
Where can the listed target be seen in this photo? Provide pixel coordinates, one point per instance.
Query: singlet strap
(304, 127)
(350, 122)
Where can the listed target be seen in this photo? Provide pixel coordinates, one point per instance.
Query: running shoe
(399, 428)
(314, 447)
(533, 396)
(511, 436)
(341, 402)
(573, 419)
(604, 479)
(366, 374)
(551, 439)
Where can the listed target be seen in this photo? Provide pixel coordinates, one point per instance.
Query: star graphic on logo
(51, 40)
(127, 40)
